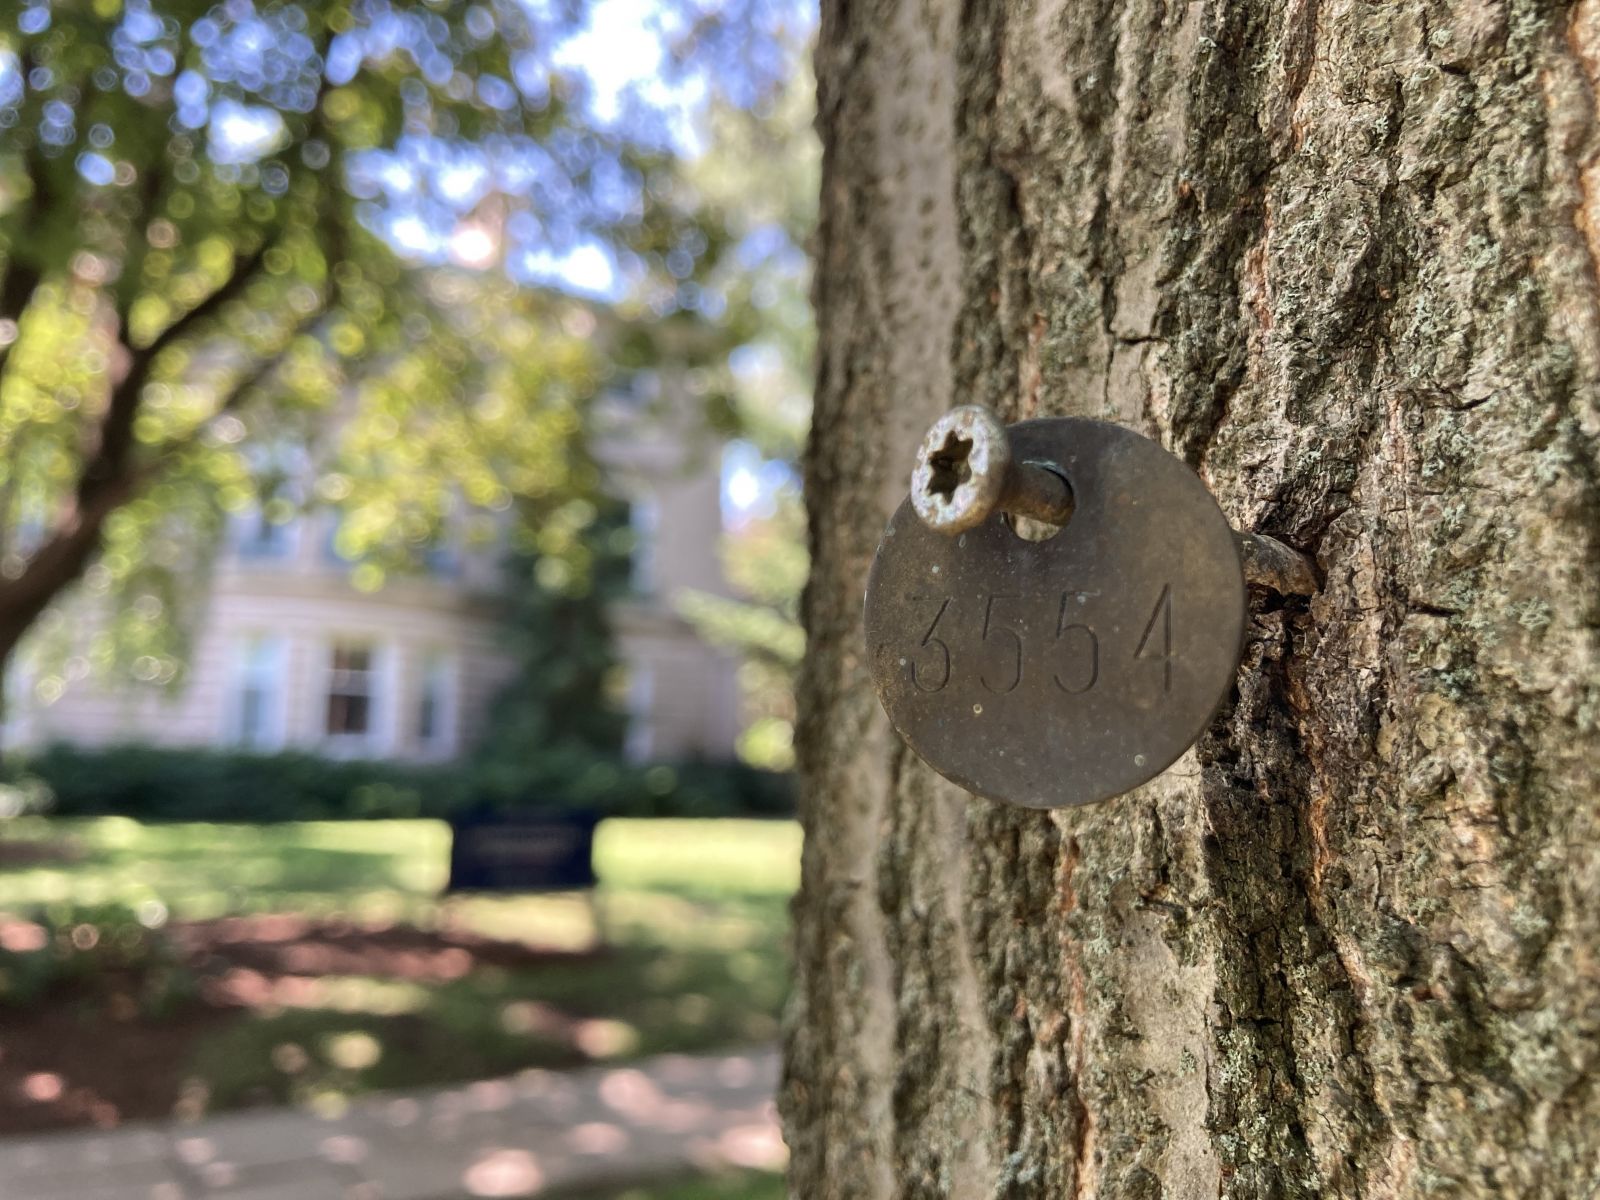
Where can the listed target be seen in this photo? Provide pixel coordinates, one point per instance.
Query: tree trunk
(1342, 259)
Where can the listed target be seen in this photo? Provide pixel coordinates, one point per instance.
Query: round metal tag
(1069, 670)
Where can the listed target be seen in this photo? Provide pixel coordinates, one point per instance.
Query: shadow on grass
(361, 1034)
(418, 990)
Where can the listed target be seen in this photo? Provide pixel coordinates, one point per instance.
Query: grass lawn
(694, 914)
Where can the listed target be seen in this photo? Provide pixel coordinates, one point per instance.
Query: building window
(258, 692)
(434, 696)
(442, 560)
(350, 691)
(644, 519)
(257, 536)
(442, 557)
(330, 541)
(639, 744)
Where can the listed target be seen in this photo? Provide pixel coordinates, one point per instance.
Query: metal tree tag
(1063, 671)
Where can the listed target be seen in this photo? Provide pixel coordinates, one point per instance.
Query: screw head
(961, 469)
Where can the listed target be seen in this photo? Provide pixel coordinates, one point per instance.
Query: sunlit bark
(1342, 259)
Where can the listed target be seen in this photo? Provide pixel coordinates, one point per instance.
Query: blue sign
(533, 850)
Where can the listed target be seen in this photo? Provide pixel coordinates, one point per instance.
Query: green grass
(694, 915)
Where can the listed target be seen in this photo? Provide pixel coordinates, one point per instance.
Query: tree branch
(110, 476)
(76, 538)
(243, 275)
(244, 387)
(16, 293)
(114, 444)
(58, 562)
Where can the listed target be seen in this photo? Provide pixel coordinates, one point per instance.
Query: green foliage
(764, 164)
(555, 733)
(760, 174)
(286, 254)
(157, 784)
(766, 560)
(23, 795)
(706, 789)
(241, 244)
(106, 951)
(553, 728)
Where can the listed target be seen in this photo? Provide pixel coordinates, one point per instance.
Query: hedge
(158, 784)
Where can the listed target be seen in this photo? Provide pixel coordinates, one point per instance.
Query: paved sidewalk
(526, 1135)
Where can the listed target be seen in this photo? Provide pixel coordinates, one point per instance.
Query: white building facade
(290, 655)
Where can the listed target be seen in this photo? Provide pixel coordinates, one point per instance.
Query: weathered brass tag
(1069, 670)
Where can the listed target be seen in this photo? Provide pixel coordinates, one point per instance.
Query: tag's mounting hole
(1030, 529)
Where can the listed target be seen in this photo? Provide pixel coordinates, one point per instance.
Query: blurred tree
(564, 573)
(765, 559)
(1341, 259)
(762, 165)
(206, 216)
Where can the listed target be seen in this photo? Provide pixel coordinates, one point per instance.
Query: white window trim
(644, 519)
(446, 733)
(17, 706)
(276, 711)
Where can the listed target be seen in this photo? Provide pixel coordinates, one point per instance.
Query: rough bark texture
(1342, 258)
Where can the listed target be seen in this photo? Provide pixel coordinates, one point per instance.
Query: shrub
(158, 784)
(106, 950)
(705, 789)
(21, 795)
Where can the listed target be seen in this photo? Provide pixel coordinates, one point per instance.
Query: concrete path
(527, 1135)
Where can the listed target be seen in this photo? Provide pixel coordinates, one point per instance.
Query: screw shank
(1269, 564)
(1038, 492)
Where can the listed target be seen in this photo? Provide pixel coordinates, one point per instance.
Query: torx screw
(965, 473)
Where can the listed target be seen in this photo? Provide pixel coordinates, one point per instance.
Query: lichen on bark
(1343, 260)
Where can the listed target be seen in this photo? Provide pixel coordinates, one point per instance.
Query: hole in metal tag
(1031, 529)
(1071, 669)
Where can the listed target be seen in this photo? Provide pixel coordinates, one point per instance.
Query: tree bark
(1343, 260)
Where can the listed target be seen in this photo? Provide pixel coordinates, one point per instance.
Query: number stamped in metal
(1065, 671)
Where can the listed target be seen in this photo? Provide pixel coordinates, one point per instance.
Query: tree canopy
(366, 240)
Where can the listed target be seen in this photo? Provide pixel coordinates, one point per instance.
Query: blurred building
(291, 655)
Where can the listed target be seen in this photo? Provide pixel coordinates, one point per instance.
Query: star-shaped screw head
(961, 469)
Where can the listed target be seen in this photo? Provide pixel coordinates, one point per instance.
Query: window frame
(437, 665)
(372, 674)
(247, 674)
